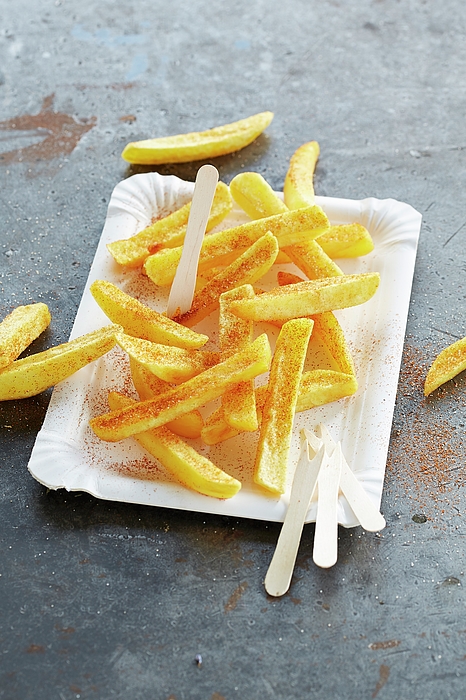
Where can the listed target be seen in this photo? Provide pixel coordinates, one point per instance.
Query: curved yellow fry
(198, 145)
(450, 362)
(20, 328)
(298, 189)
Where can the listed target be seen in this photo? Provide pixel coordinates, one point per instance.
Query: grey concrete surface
(106, 600)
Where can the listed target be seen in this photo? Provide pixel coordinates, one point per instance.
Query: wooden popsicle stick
(182, 289)
(359, 501)
(325, 552)
(278, 578)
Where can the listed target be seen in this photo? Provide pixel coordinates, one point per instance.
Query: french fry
(172, 364)
(149, 385)
(180, 459)
(17, 330)
(32, 375)
(141, 321)
(198, 145)
(271, 464)
(448, 364)
(223, 247)
(254, 194)
(167, 232)
(347, 241)
(342, 241)
(322, 386)
(207, 386)
(238, 401)
(312, 260)
(308, 298)
(298, 189)
(250, 266)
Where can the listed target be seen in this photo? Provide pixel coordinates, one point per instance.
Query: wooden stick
(182, 289)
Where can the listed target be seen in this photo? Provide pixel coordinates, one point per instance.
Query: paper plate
(68, 455)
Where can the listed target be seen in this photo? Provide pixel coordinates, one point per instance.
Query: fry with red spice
(308, 298)
(36, 373)
(140, 320)
(448, 364)
(238, 401)
(271, 464)
(254, 194)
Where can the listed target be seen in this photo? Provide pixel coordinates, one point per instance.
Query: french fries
(249, 267)
(222, 247)
(207, 386)
(345, 241)
(298, 189)
(180, 459)
(167, 232)
(174, 376)
(254, 194)
(149, 385)
(239, 401)
(171, 364)
(231, 261)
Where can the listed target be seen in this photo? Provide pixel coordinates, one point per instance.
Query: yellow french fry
(205, 387)
(149, 385)
(254, 194)
(167, 232)
(17, 330)
(308, 298)
(312, 260)
(342, 241)
(32, 375)
(180, 459)
(199, 145)
(449, 363)
(271, 464)
(347, 241)
(141, 321)
(171, 364)
(223, 247)
(246, 269)
(239, 401)
(298, 189)
(322, 386)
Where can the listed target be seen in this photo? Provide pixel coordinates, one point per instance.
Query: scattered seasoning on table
(426, 456)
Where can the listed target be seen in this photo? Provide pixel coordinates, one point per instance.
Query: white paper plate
(68, 455)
